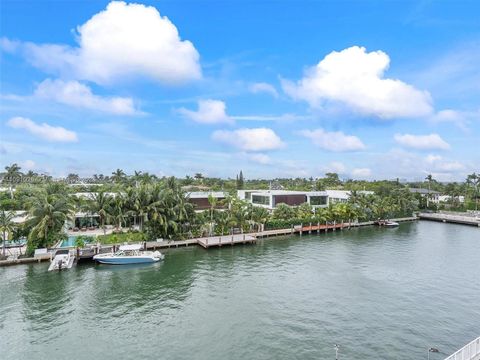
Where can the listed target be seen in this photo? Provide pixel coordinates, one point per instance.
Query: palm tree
(101, 205)
(429, 178)
(198, 177)
(12, 175)
(213, 203)
(118, 176)
(117, 210)
(72, 178)
(474, 181)
(6, 226)
(13, 171)
(47, 216)
(259, 216)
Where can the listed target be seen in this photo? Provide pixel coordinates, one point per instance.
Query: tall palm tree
(118, 210)
(47, 216)
(199, 177)
(6, 226)
(429, 178)
(118, 176)
(213, 201)
(101, 205)
(13, 170)
(11, 176)
(259, 216)
(474, 181)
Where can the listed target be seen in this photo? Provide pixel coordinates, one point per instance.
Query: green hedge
(121, 238)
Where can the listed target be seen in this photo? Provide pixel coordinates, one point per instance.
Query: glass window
(260, 199)
(318, 200)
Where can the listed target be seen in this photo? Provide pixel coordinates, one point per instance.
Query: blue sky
(367, 89)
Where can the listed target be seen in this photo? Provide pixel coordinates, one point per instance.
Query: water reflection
(374, 291)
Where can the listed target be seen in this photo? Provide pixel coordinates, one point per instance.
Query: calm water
(379, 293)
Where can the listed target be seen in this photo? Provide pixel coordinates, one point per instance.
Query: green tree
(473, 180)
(46, 217)
(240, 181)
(429, 179)
(118, 176)
(7, 226)
(101, 205)
(283, 212)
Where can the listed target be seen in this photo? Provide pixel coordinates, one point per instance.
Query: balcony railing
(470, 351)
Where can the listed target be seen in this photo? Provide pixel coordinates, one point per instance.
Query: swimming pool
(70, 241)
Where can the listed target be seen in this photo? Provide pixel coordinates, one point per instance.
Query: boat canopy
(130, 247)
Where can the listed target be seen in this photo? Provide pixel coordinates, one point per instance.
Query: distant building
(342, 196)
(448, 198)
(433, 196)
(199, 199)
(269, 199)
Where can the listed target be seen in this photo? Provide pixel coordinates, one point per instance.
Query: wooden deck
(154, 245)
(208, 242)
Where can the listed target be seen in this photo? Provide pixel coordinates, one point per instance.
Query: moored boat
(387, 223)
(129, 254)
(63, 259)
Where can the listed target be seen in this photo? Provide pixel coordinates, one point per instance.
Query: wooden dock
(217, 241)
(207, 242)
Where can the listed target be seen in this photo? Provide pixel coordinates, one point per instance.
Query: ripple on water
(378, 293)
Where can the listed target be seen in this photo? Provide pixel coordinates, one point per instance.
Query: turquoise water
(69, 242)
(378, 293)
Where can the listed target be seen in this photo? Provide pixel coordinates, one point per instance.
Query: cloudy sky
(366, 89)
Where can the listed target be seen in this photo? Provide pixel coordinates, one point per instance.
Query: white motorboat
(129, 254)
(391, 224)
(63, 259)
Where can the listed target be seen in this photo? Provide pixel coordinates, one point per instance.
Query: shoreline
(153, 245)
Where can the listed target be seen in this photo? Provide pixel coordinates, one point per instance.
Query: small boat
(129, 254)
(387, 223)
(63, 259)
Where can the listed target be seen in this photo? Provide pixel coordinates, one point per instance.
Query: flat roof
(206, 194)
(287, 192)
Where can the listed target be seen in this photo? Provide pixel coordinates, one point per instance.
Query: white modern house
(342, 196)
(269, 199)
(200, 199)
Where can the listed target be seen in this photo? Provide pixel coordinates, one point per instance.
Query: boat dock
(218, 241)
(87, 253)
(451, 218)
(470, 351)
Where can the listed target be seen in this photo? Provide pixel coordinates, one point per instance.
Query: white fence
(470, 351)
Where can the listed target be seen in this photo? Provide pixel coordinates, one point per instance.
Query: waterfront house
(269, 199)
(200, 199)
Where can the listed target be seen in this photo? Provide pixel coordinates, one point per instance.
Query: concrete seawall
(451, 218)
(154, 245)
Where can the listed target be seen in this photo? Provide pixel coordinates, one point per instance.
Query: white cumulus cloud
(422, 142)
(258, 158)
(335, 167)
(257, 139)
(44, 131)
(79, 95)
(262, 87)
(355, 78)
(122, 41)
(28, 164)
(209, 112)
(333, 141)
(361, 173)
